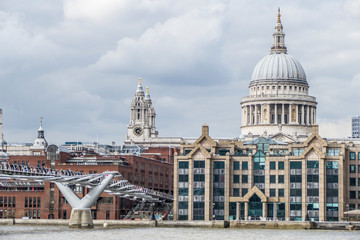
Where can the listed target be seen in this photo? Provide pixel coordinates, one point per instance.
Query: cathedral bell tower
(40, 143)
(142, 117)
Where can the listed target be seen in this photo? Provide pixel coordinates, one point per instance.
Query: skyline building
(355, 127)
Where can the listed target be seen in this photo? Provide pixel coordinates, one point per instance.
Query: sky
(77, 63)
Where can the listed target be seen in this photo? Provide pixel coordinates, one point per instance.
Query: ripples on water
(53, 233)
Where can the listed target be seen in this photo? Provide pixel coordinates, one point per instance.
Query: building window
(142, 166)
(352, 181)
(272, 165)
(259, 161)
(244, 191)
(281, 179)
(244, 179)
(281, 165)
(280, 192)
(199, 178)
(333, 152)
(236, 179)
(272, 192)
(358, 155)
(199, 164)
(236, 192)
(352, 194)
(236, 165)
(297, 151)
(244, 165)
(352, 168)
(272, 178)
(358, 183)
(183, 164)
(352, 155)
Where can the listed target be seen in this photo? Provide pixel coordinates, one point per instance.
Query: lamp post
(153, 212)
(213, 206)
(347, 212)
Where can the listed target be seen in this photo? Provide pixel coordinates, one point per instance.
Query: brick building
(43, 200)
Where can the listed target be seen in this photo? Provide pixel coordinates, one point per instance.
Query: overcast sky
(77, 63)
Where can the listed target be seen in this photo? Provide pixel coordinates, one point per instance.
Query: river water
(18, 232)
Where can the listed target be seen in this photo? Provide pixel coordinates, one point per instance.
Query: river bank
(192, 224)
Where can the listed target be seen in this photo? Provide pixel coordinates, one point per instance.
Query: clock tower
(142, 117)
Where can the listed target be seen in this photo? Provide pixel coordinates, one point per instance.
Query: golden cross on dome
(279, 15)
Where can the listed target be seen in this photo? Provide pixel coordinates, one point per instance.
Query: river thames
(55, 232)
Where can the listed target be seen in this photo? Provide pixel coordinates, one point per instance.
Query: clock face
(138, 131)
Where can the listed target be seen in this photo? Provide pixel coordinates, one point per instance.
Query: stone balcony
(280, 97)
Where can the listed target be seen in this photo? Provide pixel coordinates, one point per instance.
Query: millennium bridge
(110, 182)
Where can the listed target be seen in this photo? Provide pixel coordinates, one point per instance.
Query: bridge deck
(119, 186)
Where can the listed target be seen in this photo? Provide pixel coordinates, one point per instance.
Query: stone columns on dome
(269, 113)
(308, 115)
(251, 115)
(275, 114)
(283, 114)
(314, 114)
(297, 114)
(302, 115)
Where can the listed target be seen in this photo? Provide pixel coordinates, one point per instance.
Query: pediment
(313, 153)
(282, 138)
(315, 140)
(199, 153)
(205, 143)
(258, 192)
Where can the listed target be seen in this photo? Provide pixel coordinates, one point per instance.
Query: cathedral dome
(279, 67)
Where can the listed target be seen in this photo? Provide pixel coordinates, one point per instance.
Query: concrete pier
(81, 218)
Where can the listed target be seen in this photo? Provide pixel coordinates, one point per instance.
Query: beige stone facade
(266, 178)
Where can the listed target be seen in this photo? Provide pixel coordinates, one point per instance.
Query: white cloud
(339, 128)
(77, 62)
(177, 45)
(93, 10)
(353, 6)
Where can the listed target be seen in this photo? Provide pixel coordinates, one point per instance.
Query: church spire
(139, 87)
(279, 37)
(41, 130)
(147, 94)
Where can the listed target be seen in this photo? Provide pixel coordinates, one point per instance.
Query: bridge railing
(119, 186)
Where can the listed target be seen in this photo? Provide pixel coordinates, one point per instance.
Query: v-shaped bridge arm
(89, 199)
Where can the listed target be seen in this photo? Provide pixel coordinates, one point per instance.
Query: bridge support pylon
(81, 218)
(81, 212)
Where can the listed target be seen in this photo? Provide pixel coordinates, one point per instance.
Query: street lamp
(347, 212)
(213, 206)
(153, 212)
